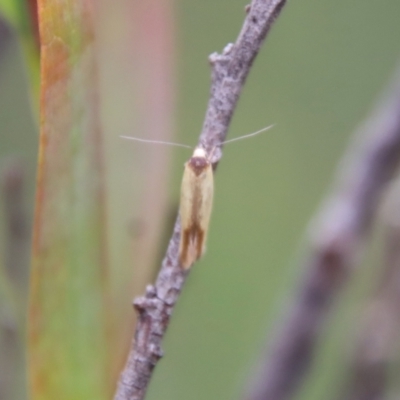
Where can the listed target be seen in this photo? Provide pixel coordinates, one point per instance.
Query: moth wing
(205, 207)
(195, 212)
(187, 197)
(187, 253)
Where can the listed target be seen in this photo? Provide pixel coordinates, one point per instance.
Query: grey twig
(376, 342)
(337, 238)
(229, 72)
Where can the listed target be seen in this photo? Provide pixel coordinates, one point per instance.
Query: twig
(336, 242)
(381, 322)
(229, 72)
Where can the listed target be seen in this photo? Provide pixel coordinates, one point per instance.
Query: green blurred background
(318, 74)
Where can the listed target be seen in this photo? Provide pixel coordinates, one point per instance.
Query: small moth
(197, 191)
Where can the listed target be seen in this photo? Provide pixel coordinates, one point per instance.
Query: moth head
(212, 157)
(199, 152)
(199, 160)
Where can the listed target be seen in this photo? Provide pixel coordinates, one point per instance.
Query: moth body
(196, 199)
(195, 207)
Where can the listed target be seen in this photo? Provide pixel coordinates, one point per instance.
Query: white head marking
(199, 152)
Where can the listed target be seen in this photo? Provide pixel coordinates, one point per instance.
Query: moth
(197, 192)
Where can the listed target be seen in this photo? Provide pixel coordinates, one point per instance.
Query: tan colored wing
(195, 211)
(206, 187)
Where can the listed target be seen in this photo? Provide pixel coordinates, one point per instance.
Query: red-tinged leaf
(68, 303)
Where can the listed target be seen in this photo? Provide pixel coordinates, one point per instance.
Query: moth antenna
(156, 142)
(248, 135)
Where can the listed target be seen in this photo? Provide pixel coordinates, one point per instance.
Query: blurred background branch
(17, 245)
(14, 272)
(378, 333)
(5, 35)
(338, 236)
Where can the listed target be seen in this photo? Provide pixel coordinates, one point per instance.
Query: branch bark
(229, 72)
(337, 238)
